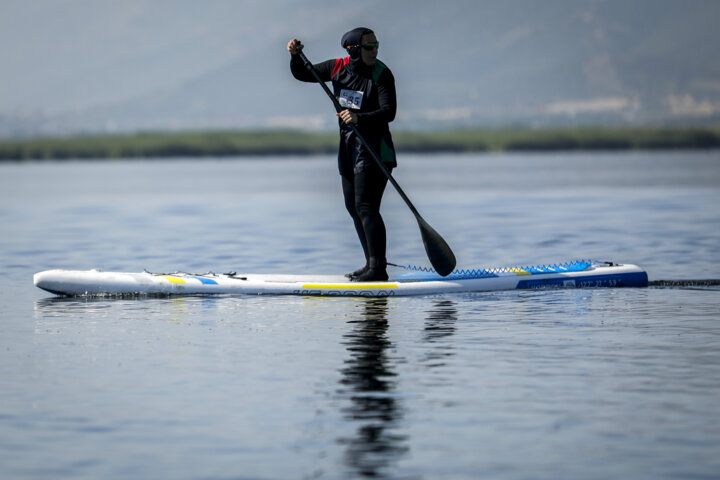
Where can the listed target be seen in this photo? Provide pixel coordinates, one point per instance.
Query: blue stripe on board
(206, 281)
(633, 279)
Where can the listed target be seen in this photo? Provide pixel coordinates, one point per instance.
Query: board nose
(45, 281)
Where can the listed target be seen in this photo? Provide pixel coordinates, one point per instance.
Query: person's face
(368, 56)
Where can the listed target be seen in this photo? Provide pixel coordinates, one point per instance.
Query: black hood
(352, 39)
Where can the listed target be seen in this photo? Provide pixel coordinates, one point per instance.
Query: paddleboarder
(365, 88)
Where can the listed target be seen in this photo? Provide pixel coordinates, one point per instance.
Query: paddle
(438, 251)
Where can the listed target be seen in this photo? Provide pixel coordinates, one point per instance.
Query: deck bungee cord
(571, 266)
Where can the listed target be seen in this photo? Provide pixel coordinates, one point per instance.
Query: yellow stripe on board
(174, 279)
(359, 286)
(519, 271)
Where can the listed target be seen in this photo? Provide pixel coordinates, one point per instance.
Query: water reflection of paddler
(368, 380)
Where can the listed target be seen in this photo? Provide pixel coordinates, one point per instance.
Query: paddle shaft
(355, 130)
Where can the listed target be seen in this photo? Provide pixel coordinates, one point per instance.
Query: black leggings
(363, 192)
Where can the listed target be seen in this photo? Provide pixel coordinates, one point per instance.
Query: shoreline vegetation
(227, 143)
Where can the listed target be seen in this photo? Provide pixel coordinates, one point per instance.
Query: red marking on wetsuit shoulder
(339, 65)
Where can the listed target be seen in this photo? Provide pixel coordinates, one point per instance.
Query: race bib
(350, 99)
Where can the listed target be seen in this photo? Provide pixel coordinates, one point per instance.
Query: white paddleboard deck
(576, 274)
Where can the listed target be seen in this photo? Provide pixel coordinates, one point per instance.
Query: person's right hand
(294, 46)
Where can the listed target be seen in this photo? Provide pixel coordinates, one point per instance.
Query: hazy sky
(61, 54)
(448, 57)
(76, 53)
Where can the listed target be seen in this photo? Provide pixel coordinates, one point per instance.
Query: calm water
(560, 384)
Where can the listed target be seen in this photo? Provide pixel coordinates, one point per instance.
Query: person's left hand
(348, 117)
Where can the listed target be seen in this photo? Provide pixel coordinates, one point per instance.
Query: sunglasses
(371, 45)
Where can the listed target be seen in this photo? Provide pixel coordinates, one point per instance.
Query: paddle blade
(438, 251)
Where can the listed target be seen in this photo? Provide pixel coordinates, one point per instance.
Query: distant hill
(456, 63)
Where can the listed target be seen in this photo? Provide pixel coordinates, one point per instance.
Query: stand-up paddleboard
(413, 281)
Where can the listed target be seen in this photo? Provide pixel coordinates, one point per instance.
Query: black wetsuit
(369, 92)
